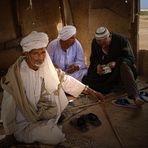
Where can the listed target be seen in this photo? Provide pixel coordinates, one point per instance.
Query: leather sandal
(79, 123)
(92, 119)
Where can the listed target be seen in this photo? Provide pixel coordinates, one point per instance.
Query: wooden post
(61, 7)
(15, 5)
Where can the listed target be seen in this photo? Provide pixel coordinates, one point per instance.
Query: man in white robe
(34, 94)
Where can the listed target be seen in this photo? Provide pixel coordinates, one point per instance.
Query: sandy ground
(143, 32)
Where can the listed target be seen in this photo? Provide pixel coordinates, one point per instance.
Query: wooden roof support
(15, 5)
(61, 7)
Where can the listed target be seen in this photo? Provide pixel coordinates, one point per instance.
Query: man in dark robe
(112, 64)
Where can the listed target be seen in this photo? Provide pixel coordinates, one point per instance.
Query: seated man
(34, 97)
(66, 53)
(112, 62)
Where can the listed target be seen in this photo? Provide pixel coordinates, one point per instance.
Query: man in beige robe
(34, 94)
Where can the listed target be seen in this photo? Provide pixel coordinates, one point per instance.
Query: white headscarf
(34, 40)
(49, 74)
(67, 32)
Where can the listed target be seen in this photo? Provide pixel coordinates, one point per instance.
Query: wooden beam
(15, 6)
(61, 7)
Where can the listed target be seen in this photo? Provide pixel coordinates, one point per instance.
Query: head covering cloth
(34, 40)
(101, 33)
(67, 32)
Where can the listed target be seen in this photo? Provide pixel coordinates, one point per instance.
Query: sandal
(79, 123)
(144, 96)
(124, 103)
(92, 119)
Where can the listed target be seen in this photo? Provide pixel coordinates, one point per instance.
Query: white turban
(101, 33)
(34, 40)
(67, 32)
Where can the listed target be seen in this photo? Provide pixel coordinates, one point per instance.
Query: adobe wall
(88, 15)
(19, 17)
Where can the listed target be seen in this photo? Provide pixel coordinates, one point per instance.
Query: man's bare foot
(139, 102)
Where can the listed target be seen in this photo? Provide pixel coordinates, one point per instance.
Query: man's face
(35, 58)
(69, 42)
(104, 42)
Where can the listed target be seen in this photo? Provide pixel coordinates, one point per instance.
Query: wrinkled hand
(94, 93)
(111, 64)
(72, 68)
(98, 95)
(56, 66)
(100, 69)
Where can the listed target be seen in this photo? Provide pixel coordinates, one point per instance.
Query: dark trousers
(123, 75)
(128, 76)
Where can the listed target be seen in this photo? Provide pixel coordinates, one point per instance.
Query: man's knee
(125, 68)
(124, 65)
(47, 134)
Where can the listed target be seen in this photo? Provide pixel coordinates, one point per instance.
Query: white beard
(38, 65)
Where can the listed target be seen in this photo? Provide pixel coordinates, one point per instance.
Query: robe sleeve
(8, 113)
(72, 86)
(50, 50)
(79, 59)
